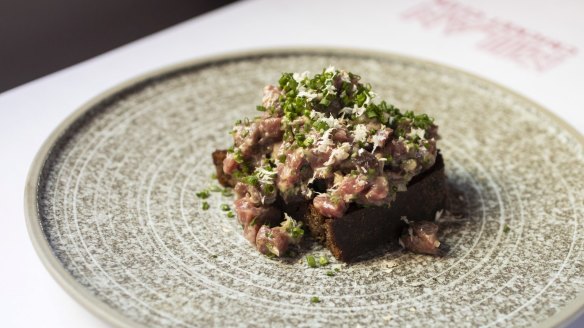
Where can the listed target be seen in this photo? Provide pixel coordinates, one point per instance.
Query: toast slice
(363, 229)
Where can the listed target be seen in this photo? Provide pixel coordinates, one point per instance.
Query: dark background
(38, 37)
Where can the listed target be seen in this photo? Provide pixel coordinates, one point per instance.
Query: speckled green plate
(112, 211)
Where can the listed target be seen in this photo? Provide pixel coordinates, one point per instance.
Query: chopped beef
(322, 140)
(422, 237)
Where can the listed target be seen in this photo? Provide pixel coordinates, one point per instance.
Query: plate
(112, 209)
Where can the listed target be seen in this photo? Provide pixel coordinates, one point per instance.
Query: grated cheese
(360, 133)
(339, 154)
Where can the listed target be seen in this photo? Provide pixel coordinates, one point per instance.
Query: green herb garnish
(311, 261)
(506, 228)
(203, 194)
(330, 273)
(225, 207)
(314, 299)
(230, 214)
(205, 206)
(323, 261)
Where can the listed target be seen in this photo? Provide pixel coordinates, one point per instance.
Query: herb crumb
(323, 261)
(311, 261)
(230, 214)
(314, 299)
(205, 206)
(203, 194)
(506, 229)
(225, 207)
(330, 273)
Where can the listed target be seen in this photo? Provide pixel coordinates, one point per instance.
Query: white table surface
(452, 33)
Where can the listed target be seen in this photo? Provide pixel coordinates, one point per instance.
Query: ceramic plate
(112, 210)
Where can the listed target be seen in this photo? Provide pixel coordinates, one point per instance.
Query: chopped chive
(337, 269)
(206, 206)
(314, 299)
(506, 229)
(230, 214)
(261, 108)
(323, 261)
(225, 207)
(203, 194)
(330, 273)
(311, 261)
(214, 256)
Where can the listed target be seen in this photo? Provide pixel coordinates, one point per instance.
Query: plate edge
(562, 318)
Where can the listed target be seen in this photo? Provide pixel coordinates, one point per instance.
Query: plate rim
(100, 309)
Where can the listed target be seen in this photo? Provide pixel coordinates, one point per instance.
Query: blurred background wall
(38, 37)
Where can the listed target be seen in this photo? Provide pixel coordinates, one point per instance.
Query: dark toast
(363, 229)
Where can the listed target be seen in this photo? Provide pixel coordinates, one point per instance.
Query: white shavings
(417, 132)
(332, 122)
(330, 89)
(360, 151)
(358, 111)
(307, 94)
(438, 214)
(339, 154)
(314, 114)
(346, 111)
(367, 100)
(299, 77)
(378, 139)
(264, 176)
(325, 141)
(345, 76)
(360, 133)
(330, 69)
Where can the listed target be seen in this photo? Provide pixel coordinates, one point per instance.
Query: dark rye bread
(363, 229)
